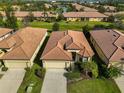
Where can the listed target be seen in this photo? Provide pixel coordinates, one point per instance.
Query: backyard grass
(93, 86)
(66, 26)
(30, 77)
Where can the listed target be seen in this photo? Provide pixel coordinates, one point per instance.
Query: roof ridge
(63, 52)
(48, 52)
(114, 44)
(24, 52)
(51, 49)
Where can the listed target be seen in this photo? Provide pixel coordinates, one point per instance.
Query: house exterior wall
(20, 18)
(73, 19)
(84, 19)
(56, 64)
(95, 19)
(99, 51)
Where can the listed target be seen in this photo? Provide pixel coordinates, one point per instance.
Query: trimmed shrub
(4, 68)
(27, 68)
(55, 27)
(72, 75)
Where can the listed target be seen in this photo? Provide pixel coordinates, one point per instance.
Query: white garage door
(55, 64)
(15, 65)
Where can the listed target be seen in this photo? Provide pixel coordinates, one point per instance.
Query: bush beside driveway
(32, 78)
(54, 81)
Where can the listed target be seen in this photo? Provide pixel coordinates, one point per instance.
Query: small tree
(11, 20)
(1, 20)
(101, 9)
(86, 30)
(90, 67)
(60, 17)
(30, 16)
(55, 27)
(111, 18)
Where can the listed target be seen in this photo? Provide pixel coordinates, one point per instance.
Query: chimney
(66, 33)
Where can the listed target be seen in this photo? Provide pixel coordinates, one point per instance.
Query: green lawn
(93, 86)
(29, 78)
(66, 26)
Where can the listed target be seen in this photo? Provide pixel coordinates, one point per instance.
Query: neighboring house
(110, 8)
(36, 14)
(21, 48)
(85, 9)
(48, 6)
(85, 16)
(5, 32)
(65, 48)
(109, 45)
(114, 13)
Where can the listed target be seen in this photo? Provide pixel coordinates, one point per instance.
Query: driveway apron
(54, 81)
(120, 82)
(11, 80)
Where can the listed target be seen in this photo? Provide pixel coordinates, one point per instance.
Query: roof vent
(114, 35)
(66, 33)
(108, 31)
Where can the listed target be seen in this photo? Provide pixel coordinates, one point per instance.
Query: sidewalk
(120, 82)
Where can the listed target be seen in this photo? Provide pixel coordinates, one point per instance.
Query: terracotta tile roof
(110, 7)
(35, 13)
(84, 14)
(86, 9)
(23, 43)
(110, 42)
(57, 46)
(4, 31)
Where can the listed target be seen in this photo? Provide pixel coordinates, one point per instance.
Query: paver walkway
(120, 82)
(11, 80)
(54, 81)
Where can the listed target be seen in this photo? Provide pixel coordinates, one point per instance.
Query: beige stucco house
(85, 16)
(109, 45)
(21, 47)
(64, 48)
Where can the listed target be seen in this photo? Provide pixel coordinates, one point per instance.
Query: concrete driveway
(11, 80)
(120, 82)
(54, 81)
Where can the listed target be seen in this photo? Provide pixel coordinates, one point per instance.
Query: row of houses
(69, 16)
(63, 49)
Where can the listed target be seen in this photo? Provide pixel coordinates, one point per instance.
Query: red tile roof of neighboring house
(23, 43)
(35, 13)
(84, 14)
(60, 42)
(4, 31)
(86, 9)
(110, 42)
